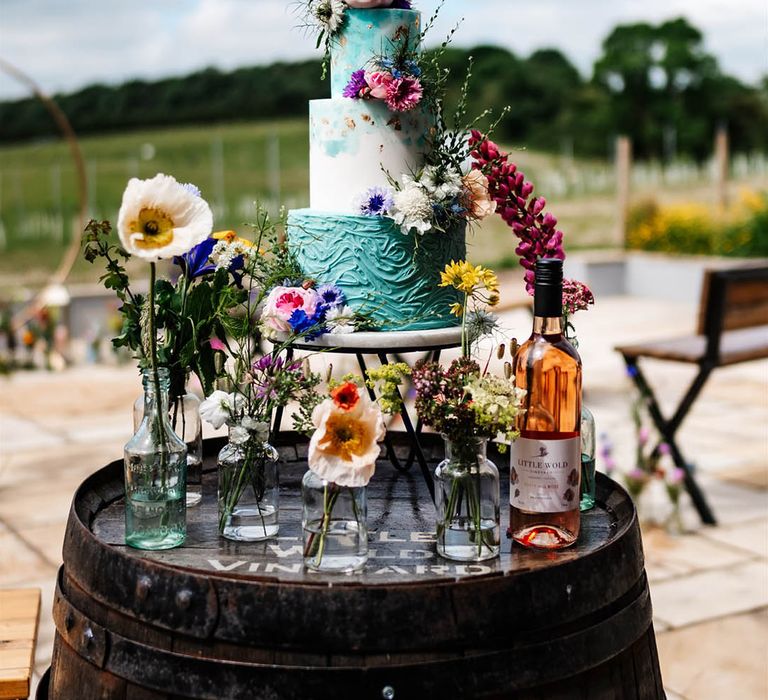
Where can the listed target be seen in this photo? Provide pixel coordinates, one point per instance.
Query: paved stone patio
(709, 587)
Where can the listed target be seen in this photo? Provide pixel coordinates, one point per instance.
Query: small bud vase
(155, 461)
(248, 488)
(467, 502)
(184, 417)
(333, 525)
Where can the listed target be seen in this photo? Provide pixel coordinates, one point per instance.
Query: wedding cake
(374, 131)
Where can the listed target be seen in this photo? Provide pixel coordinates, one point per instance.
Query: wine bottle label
(544, 474)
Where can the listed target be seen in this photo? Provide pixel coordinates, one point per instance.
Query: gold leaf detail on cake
(350, 122)
(367, 118)
(394, 122)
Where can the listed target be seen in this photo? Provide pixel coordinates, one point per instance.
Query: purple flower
(401, 5)
(267, 362)
(195, 263)
(664, 449)
(376, 201)
(356, 86)
(194, 189)
(331, 296)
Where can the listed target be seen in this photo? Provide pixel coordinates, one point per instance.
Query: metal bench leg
(390, 448)
(415, 444)
(668, 428)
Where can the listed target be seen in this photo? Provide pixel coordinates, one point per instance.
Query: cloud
(67, 45)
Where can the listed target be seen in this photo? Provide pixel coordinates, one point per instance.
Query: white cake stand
(383, 344)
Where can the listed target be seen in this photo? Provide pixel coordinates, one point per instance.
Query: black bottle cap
(548, 295)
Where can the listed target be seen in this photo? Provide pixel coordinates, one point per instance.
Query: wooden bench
(19, 617)
(732, 328)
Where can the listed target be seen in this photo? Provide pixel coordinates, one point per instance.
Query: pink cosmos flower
(378, 81)
(403, 94)
(283, 301)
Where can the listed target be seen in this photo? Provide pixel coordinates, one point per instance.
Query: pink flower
(378, 81)
(576, 295)
(403, 94)
(479, 202)
(643, 435)
(664, 449)
(283, 301)
(216, 344)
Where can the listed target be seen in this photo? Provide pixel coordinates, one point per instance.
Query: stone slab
(711, 594)
(719, 660)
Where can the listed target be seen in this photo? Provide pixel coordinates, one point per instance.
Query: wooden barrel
(217, 619)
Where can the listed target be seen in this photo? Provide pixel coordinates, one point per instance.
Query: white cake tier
(353, 144)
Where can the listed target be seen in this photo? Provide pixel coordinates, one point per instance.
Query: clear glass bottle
(248, 492)
(155, 474)
(333, 525)
(587, 437)
(545, 468)
(467, 502)
(184, 416)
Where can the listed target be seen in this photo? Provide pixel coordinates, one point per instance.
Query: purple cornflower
(357, 86)
(376, 201)
(194, 189)
(400, 5)
(331, 296)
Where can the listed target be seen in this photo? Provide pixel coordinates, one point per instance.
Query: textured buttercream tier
(379, 269)
(353, 144)
(367, 34)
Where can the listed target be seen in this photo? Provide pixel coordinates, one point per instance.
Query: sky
(64, 45)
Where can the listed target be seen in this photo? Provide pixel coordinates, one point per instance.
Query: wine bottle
(545, 467)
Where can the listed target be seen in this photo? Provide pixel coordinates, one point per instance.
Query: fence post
(623, 174)
(721, 167)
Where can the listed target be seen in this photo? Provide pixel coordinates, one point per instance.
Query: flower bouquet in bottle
(158, 219)
(342, 459)
(468, 406)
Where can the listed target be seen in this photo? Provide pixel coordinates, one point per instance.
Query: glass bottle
(334, 525)
(248, 492)
(467, 502)
(587, 437)
(155, 474)
(184, 416)
(545, 467)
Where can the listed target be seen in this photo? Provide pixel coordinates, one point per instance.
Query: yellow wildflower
(457, 310)
(231, 237)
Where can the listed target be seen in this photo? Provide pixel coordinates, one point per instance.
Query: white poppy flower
(160, 218)
(345, 445)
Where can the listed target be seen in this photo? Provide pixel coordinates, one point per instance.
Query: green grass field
(236, 165)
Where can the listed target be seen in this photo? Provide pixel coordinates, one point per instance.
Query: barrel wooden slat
(216, 619)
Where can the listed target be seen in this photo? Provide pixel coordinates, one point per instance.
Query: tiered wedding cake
(385, 271)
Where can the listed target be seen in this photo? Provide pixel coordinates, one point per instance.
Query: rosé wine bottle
(545, 467)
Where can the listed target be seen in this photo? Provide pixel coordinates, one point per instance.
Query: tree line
(654, 83)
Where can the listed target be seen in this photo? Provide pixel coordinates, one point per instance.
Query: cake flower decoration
(376, 201)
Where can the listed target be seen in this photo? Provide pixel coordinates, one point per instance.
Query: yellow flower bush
(696, 229)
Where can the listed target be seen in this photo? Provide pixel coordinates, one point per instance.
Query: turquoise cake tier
(381, 271)
(367, 34)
